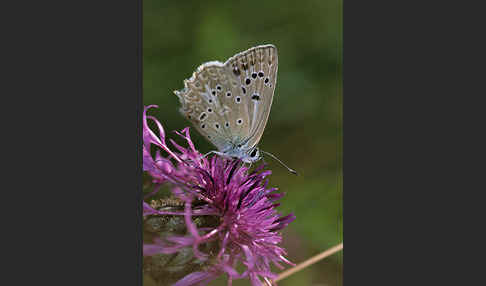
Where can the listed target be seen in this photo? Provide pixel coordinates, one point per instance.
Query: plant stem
(309, 261)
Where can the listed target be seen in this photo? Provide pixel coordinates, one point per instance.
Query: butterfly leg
(205, 155)
(215, 152)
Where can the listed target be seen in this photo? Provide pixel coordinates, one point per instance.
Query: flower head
(248, 228)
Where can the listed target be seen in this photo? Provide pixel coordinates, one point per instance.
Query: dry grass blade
(308, 262)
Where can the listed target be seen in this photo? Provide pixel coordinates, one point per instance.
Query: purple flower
(249, 225)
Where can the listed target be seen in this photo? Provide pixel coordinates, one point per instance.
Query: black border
(413, 120)
(139, 105)
(72, 79)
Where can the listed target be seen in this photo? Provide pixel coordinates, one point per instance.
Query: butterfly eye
(253, 153)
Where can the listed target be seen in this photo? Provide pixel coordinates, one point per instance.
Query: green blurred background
(305, 125)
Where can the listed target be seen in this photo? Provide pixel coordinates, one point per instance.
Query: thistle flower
(248, 227)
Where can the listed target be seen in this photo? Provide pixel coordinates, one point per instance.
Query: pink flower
(249, 225)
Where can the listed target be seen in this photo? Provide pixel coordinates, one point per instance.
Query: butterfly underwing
(229, 103)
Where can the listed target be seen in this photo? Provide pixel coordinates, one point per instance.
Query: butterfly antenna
(281, 163)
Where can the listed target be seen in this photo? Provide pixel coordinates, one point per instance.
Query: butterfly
(229, 103)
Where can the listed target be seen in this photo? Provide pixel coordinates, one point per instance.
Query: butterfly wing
(212, 100)
(258, 76)
(229, 103)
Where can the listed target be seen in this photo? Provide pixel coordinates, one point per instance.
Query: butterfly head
(251, 156)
